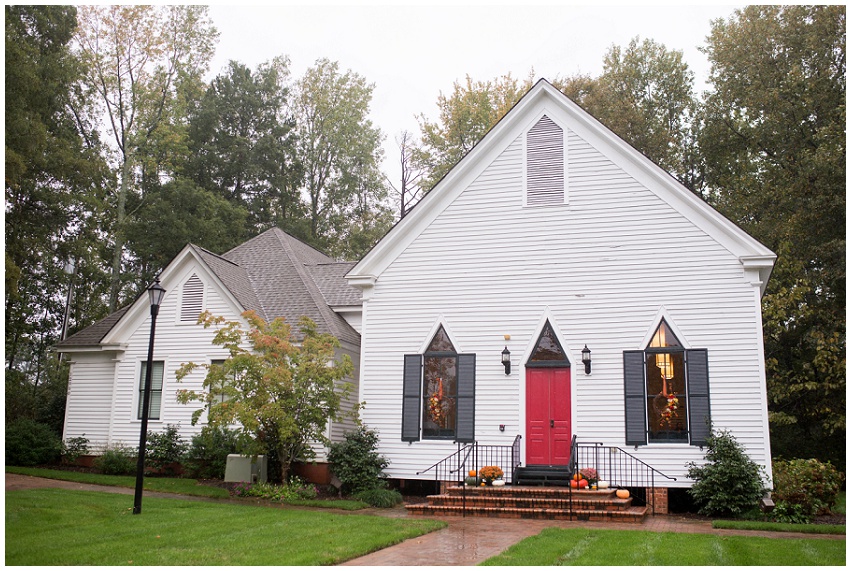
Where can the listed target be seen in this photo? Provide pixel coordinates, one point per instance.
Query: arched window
(666, 390)
(439, 389)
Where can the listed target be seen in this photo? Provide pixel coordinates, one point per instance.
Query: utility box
(240, 468)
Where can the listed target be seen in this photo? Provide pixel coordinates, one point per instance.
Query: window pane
(440, 343)
(666, 396)
(548, 347)
(156, 389)
(440, 389)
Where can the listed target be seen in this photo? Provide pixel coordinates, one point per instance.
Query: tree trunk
(118, 251)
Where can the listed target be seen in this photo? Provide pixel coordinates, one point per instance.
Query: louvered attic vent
(192, 302)
(545, 163)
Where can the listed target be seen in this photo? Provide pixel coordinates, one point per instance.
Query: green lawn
(64, 527)
(185, 486)
(587, 547)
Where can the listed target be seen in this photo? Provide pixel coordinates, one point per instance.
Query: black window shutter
(411, 399)
(465, 429)
(635, 398)
(697, 363)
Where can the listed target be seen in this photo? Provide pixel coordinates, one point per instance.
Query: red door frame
(548, 418)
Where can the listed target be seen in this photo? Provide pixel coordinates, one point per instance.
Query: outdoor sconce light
(586, 359)
(506, 360)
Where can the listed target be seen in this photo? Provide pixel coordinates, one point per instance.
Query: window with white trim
(156, 390)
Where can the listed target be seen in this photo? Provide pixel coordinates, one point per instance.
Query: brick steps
(531, 503)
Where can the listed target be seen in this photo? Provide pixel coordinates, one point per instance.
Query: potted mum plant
(490, 474)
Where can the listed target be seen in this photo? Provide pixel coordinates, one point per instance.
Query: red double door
(548, 430)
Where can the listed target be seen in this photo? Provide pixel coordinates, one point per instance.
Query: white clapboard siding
(601, 269)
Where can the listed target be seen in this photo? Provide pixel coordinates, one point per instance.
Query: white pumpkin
(602, 485)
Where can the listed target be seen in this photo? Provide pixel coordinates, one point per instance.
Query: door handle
(552, 423)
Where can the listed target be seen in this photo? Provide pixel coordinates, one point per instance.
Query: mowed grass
(64, 527)
(587, 547)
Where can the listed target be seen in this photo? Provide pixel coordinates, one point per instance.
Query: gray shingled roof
(93, 334)
(275, 275)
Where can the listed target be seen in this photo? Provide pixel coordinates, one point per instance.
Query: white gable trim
(441, 320)
(660, 315)
(544, 98)
(171, 278)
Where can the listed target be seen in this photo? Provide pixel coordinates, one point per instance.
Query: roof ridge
(215, 255)
(311, 287)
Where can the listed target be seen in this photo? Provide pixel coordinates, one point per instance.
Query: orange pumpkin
(574, 484)
(472, 473)
(622, 494)
(583, 483)
(577, 476)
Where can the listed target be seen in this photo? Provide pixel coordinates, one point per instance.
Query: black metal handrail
(616, 466)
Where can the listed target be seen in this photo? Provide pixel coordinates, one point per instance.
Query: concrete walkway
(465, 541)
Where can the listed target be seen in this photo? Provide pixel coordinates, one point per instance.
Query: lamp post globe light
(156, 292)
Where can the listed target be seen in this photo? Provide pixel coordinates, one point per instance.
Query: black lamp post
(155, 294)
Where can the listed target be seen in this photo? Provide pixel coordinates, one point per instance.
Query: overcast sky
(412, 53)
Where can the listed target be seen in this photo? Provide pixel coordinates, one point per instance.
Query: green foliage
(356, 462)
(810, 485)
(293, 490)
(29, 443)
(788, 512)
(73, 448)
(208, 454)
(164, 449)
(729, 482)
(279, 390)
(379, 497)
(340, 152)
(774, 148)
(116, 460)
(466, 115)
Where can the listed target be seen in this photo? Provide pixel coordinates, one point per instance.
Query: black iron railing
(473, 456)
(619, 468)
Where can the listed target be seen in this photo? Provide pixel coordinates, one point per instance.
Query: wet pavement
(465, 541)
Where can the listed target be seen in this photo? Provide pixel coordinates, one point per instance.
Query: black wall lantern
(586, 359)
(506, 360)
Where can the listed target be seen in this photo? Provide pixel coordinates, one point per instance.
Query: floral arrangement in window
(589, 474)
(437, 405)
(490, 473)
(670, 409)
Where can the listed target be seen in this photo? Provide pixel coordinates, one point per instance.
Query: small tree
(729, 483)
(277, 390)
(356, 462)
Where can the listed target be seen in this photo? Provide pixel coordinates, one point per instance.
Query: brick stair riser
(553, 514)
(531, 503)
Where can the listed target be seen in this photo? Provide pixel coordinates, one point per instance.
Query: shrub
(73, 448)
(729, 483)
(295, 489)
(117, 461)
(30, 443)
(208, 455)
(786, 512)
(810, 484)
(165, 449)
(379, 497)
(356, 463)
